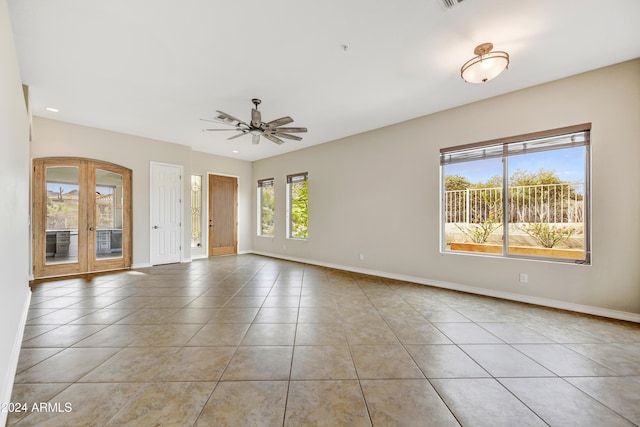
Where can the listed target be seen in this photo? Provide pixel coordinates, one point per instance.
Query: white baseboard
(141, 265)
(13, 361)
(563, 305)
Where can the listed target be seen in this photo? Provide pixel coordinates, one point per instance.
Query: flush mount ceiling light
(486, 65)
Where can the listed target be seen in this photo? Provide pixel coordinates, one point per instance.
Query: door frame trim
(182, 228)
(207, 200)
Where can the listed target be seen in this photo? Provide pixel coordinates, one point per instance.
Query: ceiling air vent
(451, 3)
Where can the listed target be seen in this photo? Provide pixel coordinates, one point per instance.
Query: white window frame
(262, 183)
(294, 179)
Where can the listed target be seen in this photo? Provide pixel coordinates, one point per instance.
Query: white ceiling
(154, 68)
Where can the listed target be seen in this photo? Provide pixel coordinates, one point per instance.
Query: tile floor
(252, 341)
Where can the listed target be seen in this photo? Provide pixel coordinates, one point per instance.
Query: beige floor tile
(562, 361)
(384, 362)
(172, 403)
(277, 315)
(502, 360)
(147, 316)
(26, 395)
(245, 403)
(66, 366)
(230, 334)
(445, 361)
(150, 346)
(195, 364)
(620, 394)
(87, 405)
(60, 316)
(326, 403)
(515, 333)
(320, 334)
(405, 403)
(577, 409)
(467, 333)
(32, 356)
(36, 330)
(321, 362)
(191, 316)
(112, 336)
(371, 333)
(417, 332)
(209, 302)
(234, 315)
(282, 301)
(484, 402)
(63, 336)
(164, 335)
(105, 316)
(237, 302)
(270, 334)
(258, 363)
(132, 364)
(318, 315)
(622, 358)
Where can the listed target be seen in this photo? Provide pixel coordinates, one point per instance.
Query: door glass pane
(63, 194)
(196, 211)
(109, 214)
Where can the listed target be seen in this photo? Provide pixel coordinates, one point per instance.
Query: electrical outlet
(524, 278)
(361, 257)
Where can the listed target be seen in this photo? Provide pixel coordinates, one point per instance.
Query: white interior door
(166, 213)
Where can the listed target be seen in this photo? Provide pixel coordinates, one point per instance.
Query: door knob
(155, 227)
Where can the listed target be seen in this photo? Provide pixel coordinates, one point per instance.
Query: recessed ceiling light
(235, 151)
(53, 110)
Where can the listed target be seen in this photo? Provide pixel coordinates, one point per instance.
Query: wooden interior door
(81, 216)
(223, 215)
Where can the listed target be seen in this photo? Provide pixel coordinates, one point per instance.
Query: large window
(266, 205)
(524, 196)
(297, 206)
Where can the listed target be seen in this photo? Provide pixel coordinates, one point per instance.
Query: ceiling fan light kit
(273, 130)
(486, 65)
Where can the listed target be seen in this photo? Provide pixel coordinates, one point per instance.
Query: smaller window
(196, 211)
(266, 205)
(297, 206)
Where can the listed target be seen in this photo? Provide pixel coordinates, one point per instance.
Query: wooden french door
(81, 216)
(223, 215)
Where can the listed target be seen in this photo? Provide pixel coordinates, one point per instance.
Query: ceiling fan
(272, 130)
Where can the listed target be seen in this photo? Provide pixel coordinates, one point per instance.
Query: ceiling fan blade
(289, 130)
(279, 122)
(233, 129)
(256, 118)
(242, 133)
(228, 119)
(287, 136)
(255, 138)
(273, 139)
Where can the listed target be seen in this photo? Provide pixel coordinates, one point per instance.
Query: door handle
(155, 227)
(90, 228)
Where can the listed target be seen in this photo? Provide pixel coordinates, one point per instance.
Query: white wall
(377, 193)
(14, 215)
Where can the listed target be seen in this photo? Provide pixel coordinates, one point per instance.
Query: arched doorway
(81, 216)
